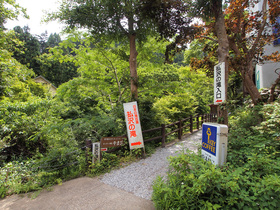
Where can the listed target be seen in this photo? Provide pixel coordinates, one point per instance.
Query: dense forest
(165, 63)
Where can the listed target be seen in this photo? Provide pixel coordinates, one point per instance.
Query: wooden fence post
(202, 119)
(163, 135)
(180, 131)
(191, 124)
(197, 122)
(88, 150)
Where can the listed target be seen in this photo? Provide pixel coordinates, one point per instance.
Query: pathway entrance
(125, 188)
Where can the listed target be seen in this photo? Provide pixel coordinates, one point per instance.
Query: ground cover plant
(249, 180)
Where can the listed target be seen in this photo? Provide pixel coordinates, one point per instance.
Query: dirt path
(92, 193)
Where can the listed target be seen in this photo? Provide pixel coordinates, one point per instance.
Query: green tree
(53, 40)
(43, 38)
(30, 49)
(10, 10)
(104, 64)
(248, 31)
(121, 20)
(55, 71)
(171, 23)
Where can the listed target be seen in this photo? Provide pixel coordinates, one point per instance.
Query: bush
(249, 180)
(20, 121)
(174, 107)
(21, 176)
(108, 162)
(193, 183)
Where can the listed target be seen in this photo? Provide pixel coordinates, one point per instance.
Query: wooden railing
(183, 126)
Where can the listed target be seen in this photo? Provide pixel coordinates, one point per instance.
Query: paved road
(90, 193)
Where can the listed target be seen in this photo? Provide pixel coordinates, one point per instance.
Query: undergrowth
(249, 180)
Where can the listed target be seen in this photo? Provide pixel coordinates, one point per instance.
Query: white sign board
(214, 143)
(219, 83)
(134, 131)
(95, 152)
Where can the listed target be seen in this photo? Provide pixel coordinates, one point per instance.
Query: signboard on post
(214, 143)
(107, 142)
(134, 131)
(219, 83)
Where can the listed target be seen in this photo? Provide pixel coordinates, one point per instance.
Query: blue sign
(209, 139)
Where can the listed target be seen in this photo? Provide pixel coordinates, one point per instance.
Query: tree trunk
(133, 67)
(251, 87)
(223, 51)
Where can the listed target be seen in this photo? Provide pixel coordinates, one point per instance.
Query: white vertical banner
(134, 131)
(95, 152)
(219, 83)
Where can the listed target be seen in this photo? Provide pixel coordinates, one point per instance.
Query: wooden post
(163, 135)
(143, 152)
(197, 122)
(180, 131)
(222, 115)
(191, 124)
(202, 119)
(88, 149)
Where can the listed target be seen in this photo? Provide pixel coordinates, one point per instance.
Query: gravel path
(138, 177)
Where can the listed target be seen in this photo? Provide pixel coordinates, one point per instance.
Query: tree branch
(207, 37)
(260, 31)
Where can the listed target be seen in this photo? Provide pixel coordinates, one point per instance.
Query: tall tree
(116, 19)
(213, 9)
(30, 49)
(248, 31)
(172, 23)
(122, 20)
(53, 40)
(203, 9)
(9, 10)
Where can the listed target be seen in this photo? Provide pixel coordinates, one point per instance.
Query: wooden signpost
(107, 142)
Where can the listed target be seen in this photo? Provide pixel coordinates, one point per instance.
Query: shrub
(174, 107)
(21, 176)
(193, 183)
(108, 162)
(249, 180)
(20, 121)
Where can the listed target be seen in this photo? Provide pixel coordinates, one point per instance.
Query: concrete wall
(266, 75)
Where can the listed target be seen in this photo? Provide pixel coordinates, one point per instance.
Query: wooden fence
(181, 127)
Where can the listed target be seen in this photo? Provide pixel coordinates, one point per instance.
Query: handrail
(180, 125)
